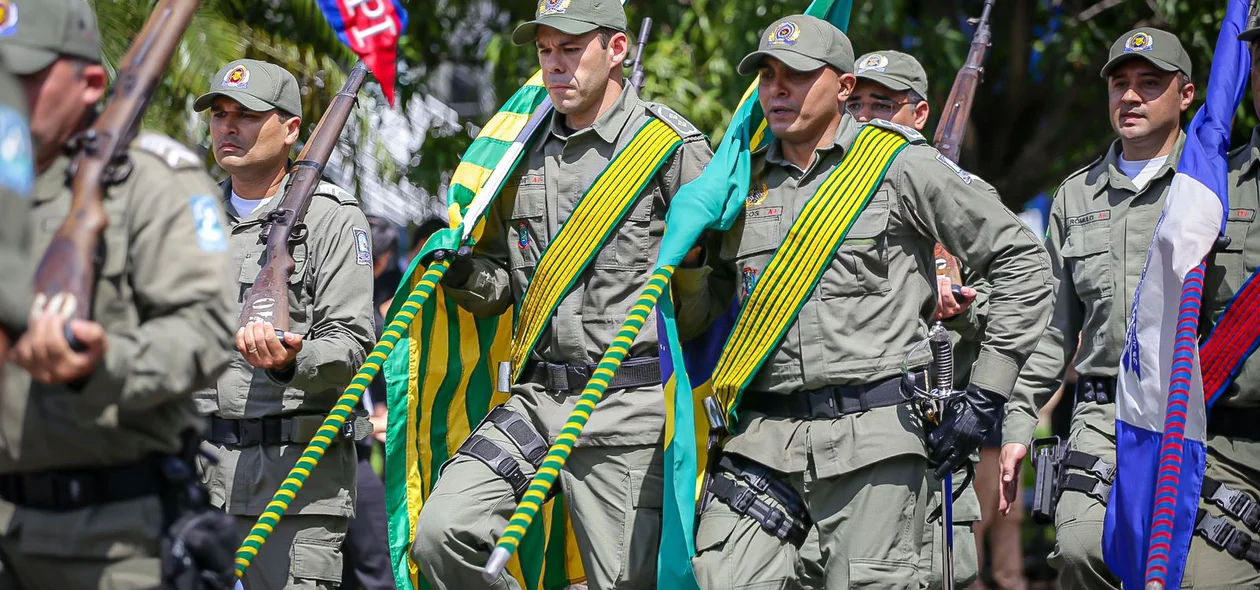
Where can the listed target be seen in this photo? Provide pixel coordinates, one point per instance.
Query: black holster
(1048, 456)
(199, 545)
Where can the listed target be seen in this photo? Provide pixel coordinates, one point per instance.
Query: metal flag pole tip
(494, 568)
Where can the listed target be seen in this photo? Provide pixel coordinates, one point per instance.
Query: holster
(199, 544)
(717, 431)
(1047, 458)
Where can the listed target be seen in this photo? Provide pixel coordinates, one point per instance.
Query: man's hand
(44, 352)
(947, 305)
(258, 343)
(1011, 460)
(380, 422)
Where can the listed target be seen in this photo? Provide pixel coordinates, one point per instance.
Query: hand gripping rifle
(268, 299)
(953, 124)
(66, 275)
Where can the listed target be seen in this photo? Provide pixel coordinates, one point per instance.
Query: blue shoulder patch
(210, 234)
(17, 161)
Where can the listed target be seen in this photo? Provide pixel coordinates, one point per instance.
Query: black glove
(968, 419)
(461, 266)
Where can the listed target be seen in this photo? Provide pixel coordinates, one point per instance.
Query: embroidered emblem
(1139, 42)
(362, 248)
(750, 280)
(550, 7)
(785, 34)
(17, 168)
(210, 234)
(8, 18)
(237, 77)
(522, 231)
(875, 62)
(756, 193)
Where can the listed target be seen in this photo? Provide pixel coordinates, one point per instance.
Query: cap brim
(1115, 62)
(890, 82)
(528, 32)
(247, 100)
(1249, 35)
(24, 61)
(791, 59)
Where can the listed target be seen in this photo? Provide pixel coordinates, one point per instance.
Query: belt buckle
(1105, 471)
(1218, 531)
(822, 404)
(347, 429)
(581, 373)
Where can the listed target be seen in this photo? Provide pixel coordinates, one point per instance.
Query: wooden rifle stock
(66, 275)
(953, 124)
(268, 298)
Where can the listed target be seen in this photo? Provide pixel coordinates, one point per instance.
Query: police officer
(1101, 223)
(83, 500)
(17, 177)
(893, 86)
(613, 481)
(825, 416)
(274, 396)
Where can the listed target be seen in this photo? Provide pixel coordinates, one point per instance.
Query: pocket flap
(716, 527)
(873, 221)
(316, 560)
(252, 264)
(530, 201)
(1086, 241)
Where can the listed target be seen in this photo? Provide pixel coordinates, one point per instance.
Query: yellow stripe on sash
(597, 215)
(798, 264)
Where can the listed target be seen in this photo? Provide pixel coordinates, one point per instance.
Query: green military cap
(257, 85)
(1161, 48)
(803, 43)
(34, 33)
(573, 17)
(893, 69)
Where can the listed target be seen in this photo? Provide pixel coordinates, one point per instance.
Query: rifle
(268, 298)
(953, 124)
(637, 78)
(66, 276)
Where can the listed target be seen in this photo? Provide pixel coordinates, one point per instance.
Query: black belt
(271, 430)
(1232, 422)
(72, 489)
(634, 372)
(828, 402)
(1099, 390)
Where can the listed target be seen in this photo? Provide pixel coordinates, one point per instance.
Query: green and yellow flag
(440, 377)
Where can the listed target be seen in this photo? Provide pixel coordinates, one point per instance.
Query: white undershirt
(1141, 171)
(246, 207)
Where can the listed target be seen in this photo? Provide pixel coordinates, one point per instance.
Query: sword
(943, 363)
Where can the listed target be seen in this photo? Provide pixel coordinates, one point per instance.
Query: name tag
(1089, 218)
(763, 213)
(1243, 215)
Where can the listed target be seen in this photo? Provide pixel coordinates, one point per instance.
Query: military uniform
(613, 480)
(860, 475)
(16, 180)
(83, 503)
(1101, 226)
(262, 420)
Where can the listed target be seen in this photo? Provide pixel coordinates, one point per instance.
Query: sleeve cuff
(1018, 428)
(994, 372)
(285, 377)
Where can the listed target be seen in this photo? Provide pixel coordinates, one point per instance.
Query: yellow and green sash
(798, 264)
(598, 213)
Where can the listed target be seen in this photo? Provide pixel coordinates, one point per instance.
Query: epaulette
(336, 193)
(175, 154)
(1084, 169)
(910, 134)
(677, 122)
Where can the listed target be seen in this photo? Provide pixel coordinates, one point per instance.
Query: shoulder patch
(362, 247)
(910, 134)
(677, 122)
(174, 153)
(209, 227)
(336, 193)
(17, 165)
(955, 168)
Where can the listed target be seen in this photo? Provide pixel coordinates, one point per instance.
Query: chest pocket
(1230, 266)
(251, 265)
(527, 229)
(751, 244)
(1087, 256)
(627, 249)
(860, 265)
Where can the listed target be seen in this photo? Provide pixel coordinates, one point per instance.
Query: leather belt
(634, 372)
(829, 402)
(72, 489)
(1232, 422)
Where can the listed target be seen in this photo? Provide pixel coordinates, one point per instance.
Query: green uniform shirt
(1100, 228)
(330, 303)
(16, 178)
(556, 172)
(159, 295)
(874, 302)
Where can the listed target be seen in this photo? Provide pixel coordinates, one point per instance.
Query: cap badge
(237, 77)
(784, 34)
(550, 7)
(1139, 42)
(8, 18)
(875, 62)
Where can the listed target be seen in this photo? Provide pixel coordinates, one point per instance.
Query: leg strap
(790, 524)
(522, 434)
(1222, 534)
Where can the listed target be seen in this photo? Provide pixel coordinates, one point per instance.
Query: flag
(713, 201)
(1161, 412)
(441, 377)
(371, 28)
